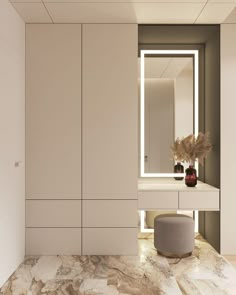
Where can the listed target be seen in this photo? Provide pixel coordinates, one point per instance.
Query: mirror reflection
(168, 90)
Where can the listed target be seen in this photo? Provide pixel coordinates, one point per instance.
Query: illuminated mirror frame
(195, 55)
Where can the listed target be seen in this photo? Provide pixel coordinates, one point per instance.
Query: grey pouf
(174, 235)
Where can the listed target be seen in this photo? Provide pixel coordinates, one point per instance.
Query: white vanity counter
(169, 184)
(168, 194)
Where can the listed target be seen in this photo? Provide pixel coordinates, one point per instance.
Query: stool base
(171, 255)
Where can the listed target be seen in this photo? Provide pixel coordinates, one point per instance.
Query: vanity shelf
(168, 194)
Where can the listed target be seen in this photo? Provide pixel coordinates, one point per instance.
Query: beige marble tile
(231, 259)
(205, 272)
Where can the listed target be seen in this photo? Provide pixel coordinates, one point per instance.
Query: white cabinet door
(53, 111)
(110, 108)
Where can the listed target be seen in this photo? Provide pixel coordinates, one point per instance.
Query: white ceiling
(231, 19)
(125, 11)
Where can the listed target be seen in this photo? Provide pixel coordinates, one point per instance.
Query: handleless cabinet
(208, 200)
(81, 139)
(110, 111)
(110, 213)
(53, 111)
(170, 194)
(109, 139)
(53, 139)
(158, 200)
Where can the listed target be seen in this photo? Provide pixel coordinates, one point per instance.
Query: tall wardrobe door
(110, 111)
(109, 139)
(53, 112)
(53, 139)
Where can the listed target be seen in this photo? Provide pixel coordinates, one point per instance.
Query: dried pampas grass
(190, 148)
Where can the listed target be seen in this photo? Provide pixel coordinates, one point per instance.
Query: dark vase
(179, 168)
(191, 176)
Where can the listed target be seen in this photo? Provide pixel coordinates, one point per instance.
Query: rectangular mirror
(168, 107)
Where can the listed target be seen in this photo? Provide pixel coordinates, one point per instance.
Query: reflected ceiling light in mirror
(143, 229)
(195, 55)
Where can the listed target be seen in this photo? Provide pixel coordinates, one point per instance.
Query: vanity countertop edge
(172, 185)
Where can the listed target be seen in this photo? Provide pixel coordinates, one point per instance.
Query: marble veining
(204, 273)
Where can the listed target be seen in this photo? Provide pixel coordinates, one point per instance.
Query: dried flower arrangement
(190, 148)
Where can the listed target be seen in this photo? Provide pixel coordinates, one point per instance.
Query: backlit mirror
(168, 106)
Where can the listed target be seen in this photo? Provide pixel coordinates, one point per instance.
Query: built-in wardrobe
(81, 139)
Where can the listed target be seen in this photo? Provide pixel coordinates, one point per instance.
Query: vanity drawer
(199, 200)
(158, 200)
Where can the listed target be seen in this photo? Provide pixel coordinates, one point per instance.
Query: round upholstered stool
(174, 235)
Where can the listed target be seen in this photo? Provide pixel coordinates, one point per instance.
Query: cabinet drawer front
(53, 241)
(199, 200)
(110, 241)
(158, 200)
(53, 213)
(110, 213)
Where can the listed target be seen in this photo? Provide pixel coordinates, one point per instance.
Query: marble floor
(205, 272)
(231, 259)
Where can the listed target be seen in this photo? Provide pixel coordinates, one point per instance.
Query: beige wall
(228, 140)
(12, 97)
